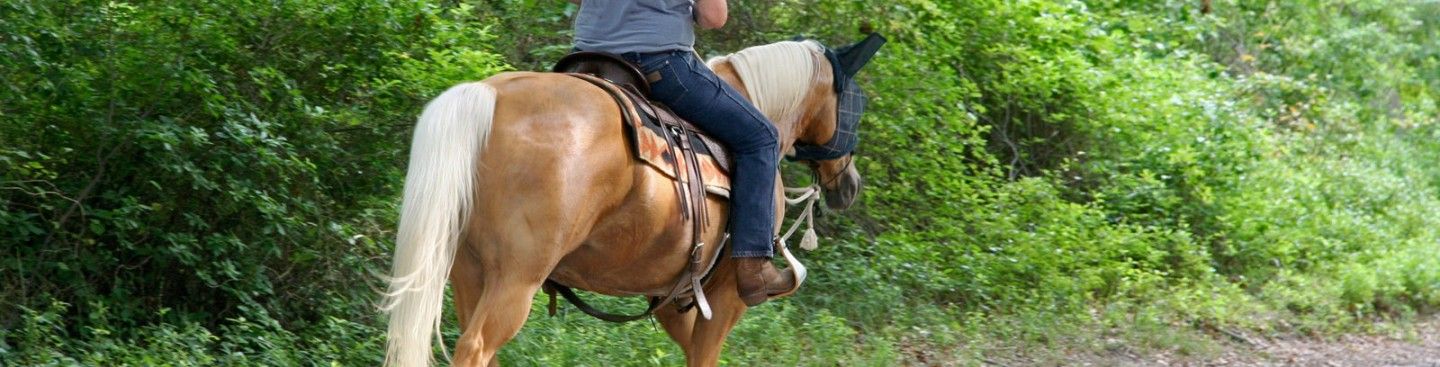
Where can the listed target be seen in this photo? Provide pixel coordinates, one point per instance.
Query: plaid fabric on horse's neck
(850, 100)
(848, 108)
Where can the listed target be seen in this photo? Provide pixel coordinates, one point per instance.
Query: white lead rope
(808, 196)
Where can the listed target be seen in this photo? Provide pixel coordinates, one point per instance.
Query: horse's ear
(855, 56)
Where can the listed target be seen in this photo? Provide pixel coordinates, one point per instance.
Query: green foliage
(215, 182)
(40, 339)
(786, 334)
(222, 170)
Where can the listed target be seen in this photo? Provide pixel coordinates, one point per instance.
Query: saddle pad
(646, 130)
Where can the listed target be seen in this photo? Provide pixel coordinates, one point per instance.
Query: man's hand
(710, 14)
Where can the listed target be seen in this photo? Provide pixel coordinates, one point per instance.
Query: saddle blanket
(648, 136)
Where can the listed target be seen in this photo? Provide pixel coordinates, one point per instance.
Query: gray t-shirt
(620, 26)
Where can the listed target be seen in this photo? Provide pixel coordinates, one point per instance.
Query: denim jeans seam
(765, 126)
(730, 93)
(753, 253)
(684, 89)
(653, 66)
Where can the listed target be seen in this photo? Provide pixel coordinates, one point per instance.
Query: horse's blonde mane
(777, 76)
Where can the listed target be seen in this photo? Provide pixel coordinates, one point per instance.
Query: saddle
(605, 65)
(656, 133)
(696, 163)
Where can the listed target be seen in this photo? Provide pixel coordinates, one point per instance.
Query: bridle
(815, 171)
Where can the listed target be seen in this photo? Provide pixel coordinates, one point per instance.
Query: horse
(527, 176)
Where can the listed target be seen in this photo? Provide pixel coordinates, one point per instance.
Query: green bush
(215, 182)
(222, 170)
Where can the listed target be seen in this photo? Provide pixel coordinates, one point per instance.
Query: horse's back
(553, 121)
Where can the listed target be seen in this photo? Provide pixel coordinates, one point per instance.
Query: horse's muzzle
(846, 190)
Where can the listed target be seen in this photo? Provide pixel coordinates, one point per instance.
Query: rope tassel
(807, 196)
(809, 241)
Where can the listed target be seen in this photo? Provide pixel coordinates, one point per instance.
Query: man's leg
(697, 95)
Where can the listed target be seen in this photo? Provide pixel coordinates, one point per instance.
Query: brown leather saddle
(609, 66)
(697, 164)
(657, 134)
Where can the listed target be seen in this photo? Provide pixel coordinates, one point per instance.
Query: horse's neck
(787, 127)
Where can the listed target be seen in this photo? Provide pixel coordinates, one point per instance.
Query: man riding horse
(532, 178)
(659, 36)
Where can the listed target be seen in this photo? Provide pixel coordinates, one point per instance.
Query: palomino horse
(527, 176)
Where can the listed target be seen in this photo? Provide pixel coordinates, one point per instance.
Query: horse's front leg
(707, 337)
(679, 325)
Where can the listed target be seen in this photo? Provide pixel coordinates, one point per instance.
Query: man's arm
(710, 14)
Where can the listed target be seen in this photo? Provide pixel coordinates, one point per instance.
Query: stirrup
(796, 268)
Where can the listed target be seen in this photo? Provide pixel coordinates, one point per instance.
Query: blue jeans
(689, 88)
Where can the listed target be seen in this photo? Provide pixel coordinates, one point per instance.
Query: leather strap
(698, 220)
(655, 302)
(690, 191)
(681, 183)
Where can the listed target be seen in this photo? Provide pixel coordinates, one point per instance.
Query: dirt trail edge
(1420, 349)
(1415, 346)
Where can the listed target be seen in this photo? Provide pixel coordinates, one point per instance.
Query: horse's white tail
(438, 197)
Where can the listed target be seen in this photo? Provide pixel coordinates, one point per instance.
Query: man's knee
(766, 140)
(772, 138)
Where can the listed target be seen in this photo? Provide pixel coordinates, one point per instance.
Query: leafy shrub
(215, 182)
(223, 170)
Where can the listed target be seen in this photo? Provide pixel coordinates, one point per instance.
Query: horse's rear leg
(493, 304)
(496, 318)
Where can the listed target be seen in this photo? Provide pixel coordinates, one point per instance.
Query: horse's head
(809, 91)
(827, 136)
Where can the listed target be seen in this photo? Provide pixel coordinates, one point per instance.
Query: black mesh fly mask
(850, 101)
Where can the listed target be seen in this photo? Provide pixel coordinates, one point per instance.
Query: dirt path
(1417, 345)
(1420, 349)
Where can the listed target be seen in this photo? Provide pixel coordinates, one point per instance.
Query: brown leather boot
(758, 280)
